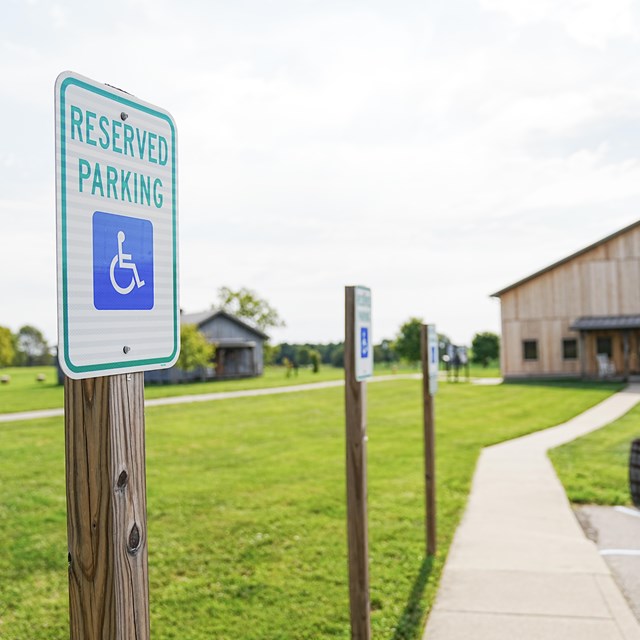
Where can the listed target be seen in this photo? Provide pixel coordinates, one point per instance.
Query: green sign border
(106, 366)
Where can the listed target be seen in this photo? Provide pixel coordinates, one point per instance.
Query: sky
(435, 152)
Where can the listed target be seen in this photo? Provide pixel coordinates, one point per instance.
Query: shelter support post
(583, 355)
(626, 350)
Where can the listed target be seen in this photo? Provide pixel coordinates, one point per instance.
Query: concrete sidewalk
(211, 397)
(520, 566)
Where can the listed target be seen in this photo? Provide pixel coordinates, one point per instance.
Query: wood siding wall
(603, 281)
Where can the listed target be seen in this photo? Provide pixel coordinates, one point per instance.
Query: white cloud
(591, 23)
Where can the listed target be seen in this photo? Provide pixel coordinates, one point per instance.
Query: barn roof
(597, 323)
(203, 317)
(595, 245)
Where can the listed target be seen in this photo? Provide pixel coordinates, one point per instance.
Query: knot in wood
(133, 543)
(123, 478)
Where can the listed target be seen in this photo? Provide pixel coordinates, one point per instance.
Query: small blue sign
(364, 342)
(122, 262)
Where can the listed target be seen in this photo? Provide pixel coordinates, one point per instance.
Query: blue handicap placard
(122, 262)
(364, 342)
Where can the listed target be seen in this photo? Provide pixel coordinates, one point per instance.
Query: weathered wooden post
(118, 316)
(106, 507)
(358, 365)
(429, 355)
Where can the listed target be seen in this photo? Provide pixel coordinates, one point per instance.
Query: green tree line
(27, 348)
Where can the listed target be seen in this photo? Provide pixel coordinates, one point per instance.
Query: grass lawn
(246, 509)
(594, 469)
(24, 393)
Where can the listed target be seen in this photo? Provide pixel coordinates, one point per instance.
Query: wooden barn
(239, 349)
(578, 317)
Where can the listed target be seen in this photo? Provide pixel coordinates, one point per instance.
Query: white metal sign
(117, 231)
(432, 346)
(363, 342)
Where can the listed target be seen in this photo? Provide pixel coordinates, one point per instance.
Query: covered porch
(235, 359)
(609, 346)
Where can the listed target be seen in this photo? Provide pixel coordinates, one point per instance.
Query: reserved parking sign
(364, 346)
(117, 231)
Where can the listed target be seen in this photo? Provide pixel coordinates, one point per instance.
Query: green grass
(246, 509)
(24, 393)
(594, 469)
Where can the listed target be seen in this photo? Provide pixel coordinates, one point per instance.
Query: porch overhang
(226, 343)
(606, 323)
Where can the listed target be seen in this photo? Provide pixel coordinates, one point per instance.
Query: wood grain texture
(356, 462)
(106, 508)
(429, 444)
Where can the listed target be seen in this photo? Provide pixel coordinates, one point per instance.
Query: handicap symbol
(364, 342)
(123, 271)
(123, 260)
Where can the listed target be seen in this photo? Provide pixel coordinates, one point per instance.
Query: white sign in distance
(117, 231)
(363, 341)
(432, 347)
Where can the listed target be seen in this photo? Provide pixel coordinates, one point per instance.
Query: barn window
(570, 349)
(603, 345)
(530, 349)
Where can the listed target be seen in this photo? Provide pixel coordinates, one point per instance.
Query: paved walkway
(520, 566)
(209, 397)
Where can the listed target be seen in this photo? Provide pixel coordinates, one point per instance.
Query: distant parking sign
(117, 231)
(364, 348)
(433, 355)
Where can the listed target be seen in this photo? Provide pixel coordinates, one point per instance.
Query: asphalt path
(616, 532)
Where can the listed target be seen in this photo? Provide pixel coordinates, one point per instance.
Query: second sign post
(358, 365)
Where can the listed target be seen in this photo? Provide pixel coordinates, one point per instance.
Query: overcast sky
(433, 151)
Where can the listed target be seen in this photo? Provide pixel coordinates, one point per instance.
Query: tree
(303, 356)
(7, 348)
(246, 304)
(337, 356)
(314, 359)
(485, 347)
(195, 350)
(271, 353)
(384, 353)
(407, 344)
(32, 348)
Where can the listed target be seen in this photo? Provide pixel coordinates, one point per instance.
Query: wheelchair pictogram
(123, 273)
(364, 342)
(123, 260)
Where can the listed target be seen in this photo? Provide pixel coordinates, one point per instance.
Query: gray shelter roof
(497, 294)
(230, 344)
(203, 317)
(597, 323)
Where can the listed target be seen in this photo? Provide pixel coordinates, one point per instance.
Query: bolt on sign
(117, 231)
(363, 342)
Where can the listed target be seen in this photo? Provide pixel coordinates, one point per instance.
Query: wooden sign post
(106, 508)
(429, 355)
(118, 316)
(356, 459)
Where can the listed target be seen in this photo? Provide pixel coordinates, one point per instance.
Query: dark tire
(634, 472)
